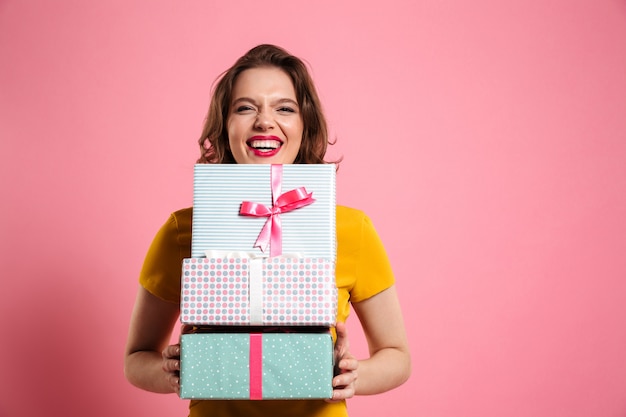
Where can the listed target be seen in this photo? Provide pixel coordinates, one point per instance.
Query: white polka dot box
(256, 366)
(276, 291)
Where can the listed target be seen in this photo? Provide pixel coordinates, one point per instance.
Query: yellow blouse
(362, 270)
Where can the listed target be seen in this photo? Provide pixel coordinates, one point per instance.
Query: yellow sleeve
(363, 269)
(161, 270)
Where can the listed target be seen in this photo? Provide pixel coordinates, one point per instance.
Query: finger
(172, 351)
(341, 328)
(174, 381)
(344, 380)
(171, 365)
(342, 345)
(348, 363)
(342, 333)
(342, 393)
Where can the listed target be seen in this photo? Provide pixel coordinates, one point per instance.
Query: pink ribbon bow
(272, 231)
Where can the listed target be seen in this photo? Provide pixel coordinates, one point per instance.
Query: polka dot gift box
(256, 365)
(266, 291)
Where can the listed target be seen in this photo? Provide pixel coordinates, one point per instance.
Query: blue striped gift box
(219, 190)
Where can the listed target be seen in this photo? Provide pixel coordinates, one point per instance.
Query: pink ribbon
(272, 231)
(256, 366)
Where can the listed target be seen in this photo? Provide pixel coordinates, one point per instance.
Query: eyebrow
(279, 101)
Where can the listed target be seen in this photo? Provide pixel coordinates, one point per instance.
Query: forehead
(264, 81)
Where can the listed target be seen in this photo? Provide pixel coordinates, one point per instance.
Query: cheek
(294, 128)
(238, 126)
(230, 125)
(231, 132)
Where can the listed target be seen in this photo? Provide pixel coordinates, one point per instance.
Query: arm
(149, 362)
(389, 364)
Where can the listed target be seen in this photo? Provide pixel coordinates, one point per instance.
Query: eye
(244, 109)
(286, 109)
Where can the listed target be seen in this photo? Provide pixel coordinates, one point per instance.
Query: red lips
(264, 146)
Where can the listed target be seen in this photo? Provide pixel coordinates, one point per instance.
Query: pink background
(486, 139)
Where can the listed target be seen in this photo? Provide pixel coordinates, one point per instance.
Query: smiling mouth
(265, 145)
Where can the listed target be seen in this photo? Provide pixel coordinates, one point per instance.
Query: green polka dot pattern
(294, 365)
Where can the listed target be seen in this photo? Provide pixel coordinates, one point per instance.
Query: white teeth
(266, 144)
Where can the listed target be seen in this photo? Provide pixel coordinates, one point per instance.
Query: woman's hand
(171, 361)
(171, 365)
(345, 366)
(149, 362)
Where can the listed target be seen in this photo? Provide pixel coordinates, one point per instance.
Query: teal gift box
(256, 365)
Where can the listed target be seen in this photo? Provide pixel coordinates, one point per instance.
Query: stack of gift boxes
(259, 290)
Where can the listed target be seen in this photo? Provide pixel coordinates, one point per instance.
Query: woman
(265, 110)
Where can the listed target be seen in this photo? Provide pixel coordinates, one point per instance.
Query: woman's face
(264, 122)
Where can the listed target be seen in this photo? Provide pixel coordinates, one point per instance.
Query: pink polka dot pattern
(215, 291)
(299, 291)
(296, 291)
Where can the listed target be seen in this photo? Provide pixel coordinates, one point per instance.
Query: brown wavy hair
(214, 146)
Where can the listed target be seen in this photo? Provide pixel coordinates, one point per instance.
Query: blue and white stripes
(219, 190)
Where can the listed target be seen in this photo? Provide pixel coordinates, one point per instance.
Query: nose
(263, 121)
